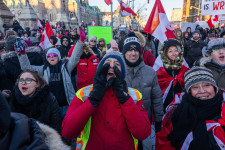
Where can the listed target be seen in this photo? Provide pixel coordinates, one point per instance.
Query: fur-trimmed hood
(13, 53)
(53, 139)
(141, 38)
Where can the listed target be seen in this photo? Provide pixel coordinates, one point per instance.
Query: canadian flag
(158, 24)
(125, 10)
(45, 36)
(214, 20)
(93, 23)
(38, 23)
(108, 2)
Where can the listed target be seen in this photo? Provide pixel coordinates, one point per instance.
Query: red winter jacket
(71, 50)
(162, 141)
(86, 71)
(149, 58)
(112, 123)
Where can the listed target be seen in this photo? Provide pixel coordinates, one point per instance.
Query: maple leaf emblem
(216, 18)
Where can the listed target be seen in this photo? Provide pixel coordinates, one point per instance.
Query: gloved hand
(158, 126)
(82, 34)
(99, 85)
(19, 46)
(120, 86)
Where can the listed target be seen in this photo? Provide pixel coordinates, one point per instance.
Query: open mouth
(221, 58)
(24, 89)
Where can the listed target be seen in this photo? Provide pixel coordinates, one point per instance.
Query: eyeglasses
(26, 81)
(217, 50)
(93, 41)
(52, 54)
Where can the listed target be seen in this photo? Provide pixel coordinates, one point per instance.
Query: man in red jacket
(107, 115)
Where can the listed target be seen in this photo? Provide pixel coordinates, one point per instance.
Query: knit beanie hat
(212, 34)
(93, 38)
(196, 31)
(4, 115)
(198, 75)
(53, 50)
(213, 45)
(131, 42)
(117, 55)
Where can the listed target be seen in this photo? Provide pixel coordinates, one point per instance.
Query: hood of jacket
(53, 139)
(67, 37)
(178, 37)
(141, 38)
(11, 54)
(9, 43)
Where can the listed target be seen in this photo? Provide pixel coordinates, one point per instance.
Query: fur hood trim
(53, 139)
(141, 38)
(13, 53)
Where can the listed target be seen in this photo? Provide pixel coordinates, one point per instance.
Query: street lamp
(198, 8)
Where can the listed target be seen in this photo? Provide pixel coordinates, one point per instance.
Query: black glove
(120, 86)
(158, 126)
(99, 85)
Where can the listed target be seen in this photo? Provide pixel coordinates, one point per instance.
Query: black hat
(131, 42)
(172, 42)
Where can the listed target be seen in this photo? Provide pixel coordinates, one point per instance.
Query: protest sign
(100, 32)
(213, 7)
(188, 24)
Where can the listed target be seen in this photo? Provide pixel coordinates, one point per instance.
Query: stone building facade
(191, 10)
(58, 10)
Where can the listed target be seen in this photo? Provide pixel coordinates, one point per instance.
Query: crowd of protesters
(133, 93)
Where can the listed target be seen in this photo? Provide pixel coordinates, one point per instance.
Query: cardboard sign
(188, 24)
(213, 7)
(100, 32)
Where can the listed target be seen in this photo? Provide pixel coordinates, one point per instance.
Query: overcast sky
(167, 4)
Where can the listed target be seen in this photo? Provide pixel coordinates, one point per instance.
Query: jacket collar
(135, 69)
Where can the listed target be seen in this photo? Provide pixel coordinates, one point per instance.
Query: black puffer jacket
(24, 133)
(12, 66)
(193, 51)
(42, 106)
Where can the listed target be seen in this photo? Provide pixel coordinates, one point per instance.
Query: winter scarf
(133, 64)
(170, 64)
(29, 105)
(191, 115)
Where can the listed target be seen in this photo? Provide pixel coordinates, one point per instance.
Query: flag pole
(112, 15)
(78, 12)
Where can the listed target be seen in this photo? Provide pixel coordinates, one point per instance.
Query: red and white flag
(125, 10)
(214, 20)
(108, 2)
(93, 23)
(38, 23)
(45, 36)
(158, 24)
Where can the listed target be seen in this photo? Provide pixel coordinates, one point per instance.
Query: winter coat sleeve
(77, 116)
(156, 100)
(137, 119)
(25, 64)
(74, 59)
(56, 119)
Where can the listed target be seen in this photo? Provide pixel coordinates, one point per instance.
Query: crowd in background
(169, 95)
